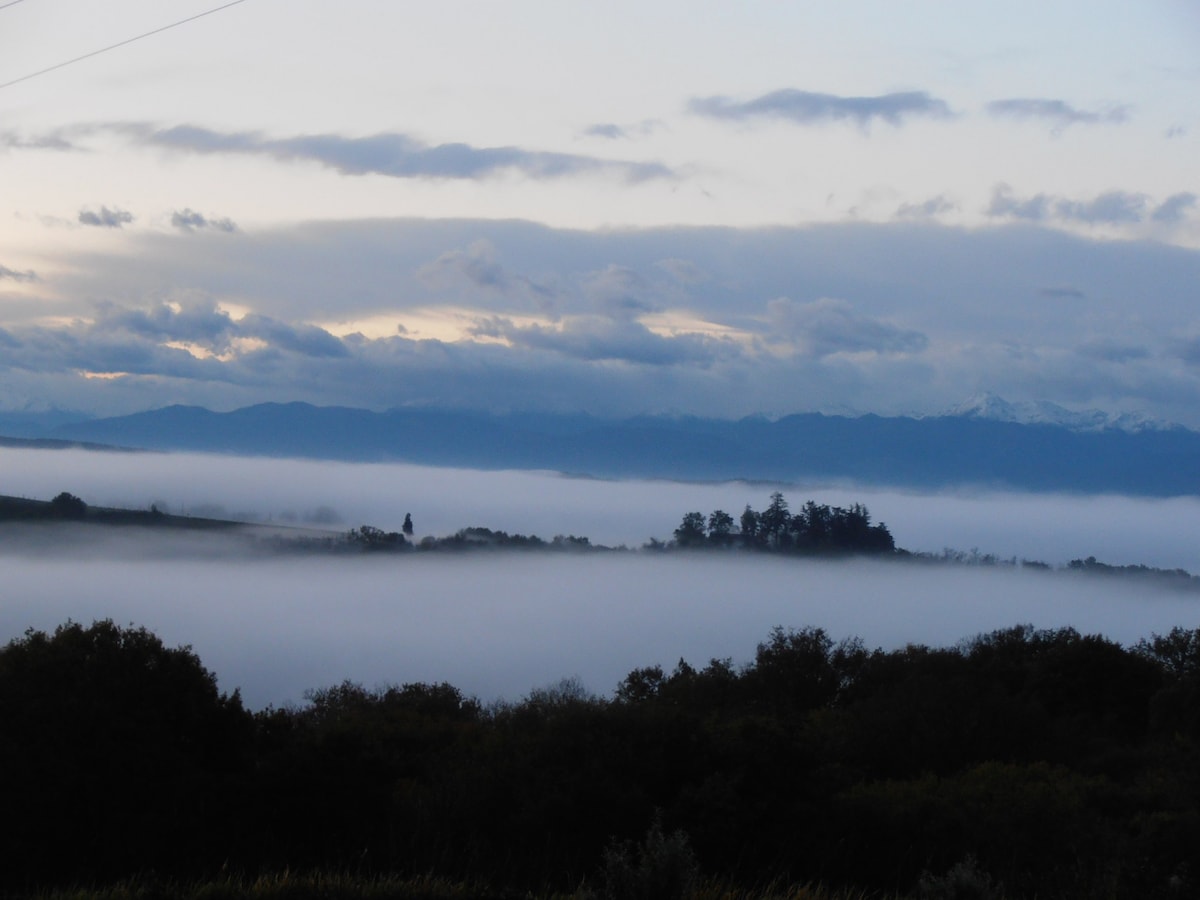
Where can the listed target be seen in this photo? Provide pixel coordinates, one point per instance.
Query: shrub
(964, 881)
(663, 867)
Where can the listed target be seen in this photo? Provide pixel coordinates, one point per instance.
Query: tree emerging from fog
(816, 529)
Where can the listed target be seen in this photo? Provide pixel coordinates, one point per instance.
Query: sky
(651, 208)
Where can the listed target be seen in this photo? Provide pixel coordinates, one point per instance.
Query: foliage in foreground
(1019, 763)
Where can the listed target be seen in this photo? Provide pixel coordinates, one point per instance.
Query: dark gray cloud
(150, 341)
(612, 132)
(1109, 208)
(1175, 208)
(306, 340)
(828, 326)
(1058, 112)
(13, 275)
(395, 155)
(197, 321)
(1188, 350)
(188, 219)
(105, 217)
(930, 209)
(1114, 350)
(605, 130)
(10, 140)
(809, 108)
(1063, 293)
(1031, 209)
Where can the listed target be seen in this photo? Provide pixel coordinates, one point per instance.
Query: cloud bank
(896, 319)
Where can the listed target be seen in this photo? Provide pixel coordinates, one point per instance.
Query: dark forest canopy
(1053, 763)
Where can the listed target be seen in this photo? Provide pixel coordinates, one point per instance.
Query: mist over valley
(499, 625)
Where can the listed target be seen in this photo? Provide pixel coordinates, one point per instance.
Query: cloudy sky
(657, 207)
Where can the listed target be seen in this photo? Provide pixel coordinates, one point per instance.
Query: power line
(11, 3)
(139, 37)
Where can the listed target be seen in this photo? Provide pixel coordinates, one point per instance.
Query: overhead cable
(139, 37)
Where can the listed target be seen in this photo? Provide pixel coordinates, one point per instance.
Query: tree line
(1046, 762)
(816, 528)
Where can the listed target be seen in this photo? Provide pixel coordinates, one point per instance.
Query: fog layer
(498, 625)
(1048, 527)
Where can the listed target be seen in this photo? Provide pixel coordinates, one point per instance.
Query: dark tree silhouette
(118, 754)
(407, 527)
(690, 532)
(68, 506)
(720, 527)
(750, 529)
(774, 521)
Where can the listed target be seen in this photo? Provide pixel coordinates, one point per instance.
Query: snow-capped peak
(987, 405)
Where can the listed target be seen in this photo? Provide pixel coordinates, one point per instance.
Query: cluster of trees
(1060, 765)
(816, 528)
(368, 537)
(477, 538)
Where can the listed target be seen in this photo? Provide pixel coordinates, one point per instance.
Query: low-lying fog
(499, 625)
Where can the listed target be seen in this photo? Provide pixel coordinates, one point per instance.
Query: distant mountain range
(983, 443)
(1042, 412)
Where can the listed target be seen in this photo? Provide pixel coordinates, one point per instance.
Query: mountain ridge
(926, 453)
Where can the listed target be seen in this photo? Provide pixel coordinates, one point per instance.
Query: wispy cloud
(394, 155)
(605, 130)
(188, 219)
(809, 108)
(1063, 293)
(1058, 112)
(55, 140)
(13, 275)
(105, 217)
(1174, 208)
(930, 209)
(612, 131)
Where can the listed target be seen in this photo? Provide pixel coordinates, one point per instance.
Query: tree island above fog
(816, 531)
(967, 446)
